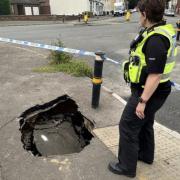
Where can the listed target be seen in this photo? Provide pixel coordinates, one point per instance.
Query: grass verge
(63, 62)
(75, 68)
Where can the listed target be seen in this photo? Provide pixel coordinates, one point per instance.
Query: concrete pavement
(21, 89)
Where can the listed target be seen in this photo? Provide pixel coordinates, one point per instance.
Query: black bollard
(97, 78)
(63, 19)
(178, 30)
(79, 18)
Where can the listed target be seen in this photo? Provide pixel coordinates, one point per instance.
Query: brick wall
(37, 18)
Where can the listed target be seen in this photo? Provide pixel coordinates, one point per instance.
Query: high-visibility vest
(128, 16)
(137, 60)
(85, 18)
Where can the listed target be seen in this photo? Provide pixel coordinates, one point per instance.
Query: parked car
(133, 10)
(169, 12)
(119, 9)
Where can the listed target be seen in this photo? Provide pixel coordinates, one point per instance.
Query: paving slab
(167, 153)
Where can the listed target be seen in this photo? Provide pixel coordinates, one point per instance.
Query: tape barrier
(177, 86)
(67, 50)
(49, 47)
(54, 48)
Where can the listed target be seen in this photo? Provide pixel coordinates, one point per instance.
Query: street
(112, 36)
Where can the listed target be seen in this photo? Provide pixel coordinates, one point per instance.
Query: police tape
(67, 50)
(177, 86)
(49, 47)
(54, 48)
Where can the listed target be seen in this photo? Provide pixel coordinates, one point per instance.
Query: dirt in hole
(55, 128)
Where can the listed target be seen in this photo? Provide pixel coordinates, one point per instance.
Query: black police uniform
(137, 135)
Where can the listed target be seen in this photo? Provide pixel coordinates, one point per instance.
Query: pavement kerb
(69, 22)
(38, 24)
(164, 128)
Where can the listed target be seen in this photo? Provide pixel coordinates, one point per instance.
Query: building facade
(178, 7)
(60, 7)
(71, 7)
(68, 7)
(171, 4)
(44, 7)
(174, 5)
(25, 7)
(109, 6)
(97, 7)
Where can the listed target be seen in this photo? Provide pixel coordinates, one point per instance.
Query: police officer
(152, 58)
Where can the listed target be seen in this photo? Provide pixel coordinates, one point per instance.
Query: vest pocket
(134, 69)
(126, 71)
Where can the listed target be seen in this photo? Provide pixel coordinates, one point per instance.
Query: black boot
(116, 169)
(145, 161)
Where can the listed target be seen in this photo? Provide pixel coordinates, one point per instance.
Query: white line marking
(119, 98)
(164, 128)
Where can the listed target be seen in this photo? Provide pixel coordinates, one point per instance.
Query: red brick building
(178, 7)
(30, 7)
(44, 7)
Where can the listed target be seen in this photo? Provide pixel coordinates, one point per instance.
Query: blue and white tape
(177, 86)
(49, 47)
(67, 50)
(54, 48)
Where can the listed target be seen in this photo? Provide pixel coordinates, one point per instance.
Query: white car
(133, 10)
(169, 12)
(119, 13)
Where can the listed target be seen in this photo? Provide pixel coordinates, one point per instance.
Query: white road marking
(124, 102)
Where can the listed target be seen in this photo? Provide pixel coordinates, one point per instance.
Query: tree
(4, 7)
(132, 4)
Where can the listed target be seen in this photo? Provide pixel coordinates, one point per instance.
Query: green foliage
(74, 67)
(57, 57)
(132, 4)
(4, 7)
(63, 62)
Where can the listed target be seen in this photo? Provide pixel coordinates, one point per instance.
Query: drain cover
(55, 128)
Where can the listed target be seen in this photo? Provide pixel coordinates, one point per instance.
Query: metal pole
(63, 19)
(97, 78)
(79, 18)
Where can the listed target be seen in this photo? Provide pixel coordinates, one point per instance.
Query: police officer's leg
(146, 136)
(178, 34)
(130, 126)
(146, 141)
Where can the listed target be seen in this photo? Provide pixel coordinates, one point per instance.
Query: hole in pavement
(55, 128)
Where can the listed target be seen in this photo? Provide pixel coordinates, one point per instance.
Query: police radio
(137, 39)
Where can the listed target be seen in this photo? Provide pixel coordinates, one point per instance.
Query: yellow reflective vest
(133, 67)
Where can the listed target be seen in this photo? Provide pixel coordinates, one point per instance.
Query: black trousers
(177, 37)
(137, 135)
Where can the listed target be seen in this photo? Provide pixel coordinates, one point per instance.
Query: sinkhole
(55, 128)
